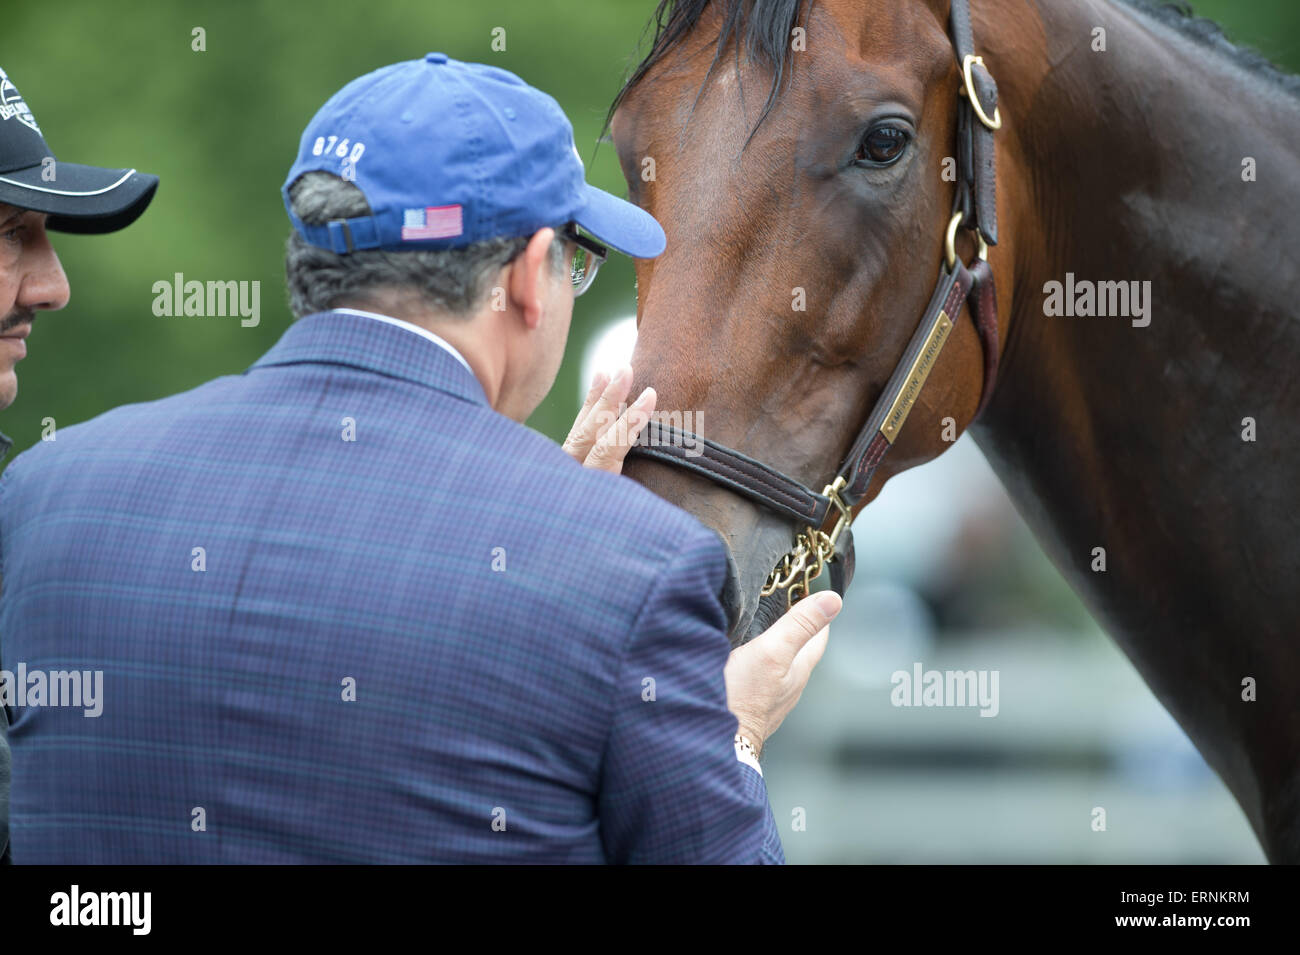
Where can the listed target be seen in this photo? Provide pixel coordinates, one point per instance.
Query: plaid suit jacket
(346, 612)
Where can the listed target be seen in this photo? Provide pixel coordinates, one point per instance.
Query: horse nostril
(731, 599)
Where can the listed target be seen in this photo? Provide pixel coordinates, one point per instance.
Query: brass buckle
(846, 516)
(967, 65)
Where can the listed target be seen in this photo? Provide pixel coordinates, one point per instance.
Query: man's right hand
(766, 675)
(600, 437)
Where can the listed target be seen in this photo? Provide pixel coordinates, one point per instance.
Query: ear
(529, 276)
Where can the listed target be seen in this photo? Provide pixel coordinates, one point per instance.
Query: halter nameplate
(916, 376)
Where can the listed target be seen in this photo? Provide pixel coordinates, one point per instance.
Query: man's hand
(600, 437)
(766, 676)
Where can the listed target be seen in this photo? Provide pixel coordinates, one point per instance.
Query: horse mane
(1178, 15)
(763, 28)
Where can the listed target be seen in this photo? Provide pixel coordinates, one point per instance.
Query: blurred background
(965, 587)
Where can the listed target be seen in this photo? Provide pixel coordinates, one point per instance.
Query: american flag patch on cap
(431, 222)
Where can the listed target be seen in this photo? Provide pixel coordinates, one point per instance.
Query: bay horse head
(808, 160)
(813, 171)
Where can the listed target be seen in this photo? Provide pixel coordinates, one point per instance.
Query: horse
(803, 158)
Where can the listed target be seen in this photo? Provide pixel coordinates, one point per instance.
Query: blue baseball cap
(449, 153)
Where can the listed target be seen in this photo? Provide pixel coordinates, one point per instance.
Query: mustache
(21, 316)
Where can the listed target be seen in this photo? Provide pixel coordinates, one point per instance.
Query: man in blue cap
(344, 605)
(39, 193)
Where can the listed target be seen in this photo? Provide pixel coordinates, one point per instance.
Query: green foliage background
(116, 83)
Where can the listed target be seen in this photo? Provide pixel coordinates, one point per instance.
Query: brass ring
(950, 240)
(966, 65)
(950, 244)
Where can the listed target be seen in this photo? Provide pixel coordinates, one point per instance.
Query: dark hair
(762, 26)
(452, 281)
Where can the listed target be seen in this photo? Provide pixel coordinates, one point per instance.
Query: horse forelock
(762, 27)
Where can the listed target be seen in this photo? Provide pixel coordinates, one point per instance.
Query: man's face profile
(31, 279)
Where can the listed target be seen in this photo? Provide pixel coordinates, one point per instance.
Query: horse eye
(882, 146)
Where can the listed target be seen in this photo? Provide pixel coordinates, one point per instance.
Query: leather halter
(974, 208)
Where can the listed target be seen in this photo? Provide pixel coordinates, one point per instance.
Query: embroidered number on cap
(332, 144)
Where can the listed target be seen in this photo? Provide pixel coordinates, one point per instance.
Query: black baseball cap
(85, 199)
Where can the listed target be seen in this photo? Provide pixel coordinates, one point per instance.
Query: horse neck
(1135, 159)
(1130, 438)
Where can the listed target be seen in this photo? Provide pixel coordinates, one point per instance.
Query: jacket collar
(6, 443)
(337, 338)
